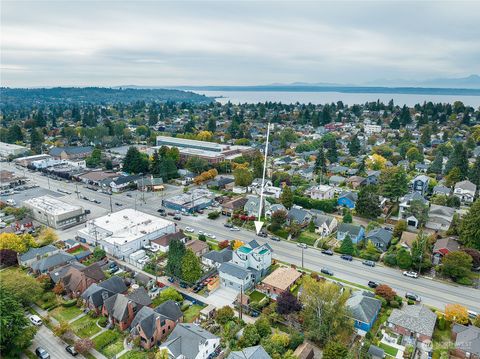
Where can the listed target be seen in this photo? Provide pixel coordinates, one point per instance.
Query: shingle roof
(185, 340)
(32, 253)
(54, 260)
(467, 185)
(416, 318)
(169, 309)
(140, 296)
(256, 352)
(114, 284)
(225, 255)
(468, 340)
(380, 234)
(233, 270)
(96, 295)
(352, 229)
(362, 307)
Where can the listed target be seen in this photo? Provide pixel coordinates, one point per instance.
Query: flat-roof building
(54, 212)
(125, 232)
(191, 201)
(9, 149)
(210, 151)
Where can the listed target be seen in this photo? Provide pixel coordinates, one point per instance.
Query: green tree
(458, 158)
(170, 293)
(22, 286)
(196, 165)
(95, 159)
(224, 315)
(437, 164)
(212, 125)
(14, 134)
(243, 177)
(191, 269)
(347, 217)
(335, 350)
(404, 259)
(453, 176)
(469, 228)
(16, 333)
(324, 311)
(263, 326)
(457, 265)
(354, 146)
(368, 202)
(400, 226)
(36, 141)
(347, 246)
(419, 210)
(278, 220)
(393, 183)
(135, 162)
(287, 197)
(320, 166)
(176, 252)
(474, 173)
(250, 336)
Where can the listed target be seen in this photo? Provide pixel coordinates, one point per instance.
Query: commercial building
(54, 212)
(27, 160)
(125, 232)
(191, 201)
(11, 150)
(210, 151)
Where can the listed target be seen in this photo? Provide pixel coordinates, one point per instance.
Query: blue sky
(161, 43)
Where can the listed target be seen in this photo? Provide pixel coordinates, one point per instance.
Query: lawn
(281, 233)
(85, 327)
(109, 343)
(307, 238)
(388, 349)
(256, 296)
(134, 354)
(65, 314)
(442, 341)
(192, 313)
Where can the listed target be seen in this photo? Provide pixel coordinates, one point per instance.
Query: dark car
(118, 204)
(228, 225)
(369, 263)
(160, 210)
(372, 284)
(87, 211)
(276, 239)
(183, 285)
(71, 350)
(326, 271)
(262, 234)
(171, 213)
(171, 279)
(128, 195)
(413, 296)
(177, 218)
(199, 211)
(96, 201)
(346, 257)
(42, 353)
(328, 252)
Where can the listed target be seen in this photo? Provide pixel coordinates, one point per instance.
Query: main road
(433, 292)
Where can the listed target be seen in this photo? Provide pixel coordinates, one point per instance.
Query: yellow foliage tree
(376, 162)
(19, 244)
(240, 165)
(205, 176)
(237, 244)
(456, 313)
(204, 136)
(47, 236)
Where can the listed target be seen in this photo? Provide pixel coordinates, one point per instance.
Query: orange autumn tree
(456, 313)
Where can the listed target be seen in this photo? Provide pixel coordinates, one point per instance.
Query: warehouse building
(125, 232)
(11, 150)
(191, 201)
(55, 213)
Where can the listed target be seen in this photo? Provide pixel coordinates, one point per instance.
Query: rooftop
(282, 278)
(52, 205)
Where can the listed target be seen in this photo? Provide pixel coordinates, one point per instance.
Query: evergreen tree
(335, 350)
(14, 134)
(176, 252)
(368, 202)
(347, 246)
(320, 162)
(135, 162)
(212, 125)
(191, 269)
(474, 173)
(469, 228)
(354, 146)
(36, 141)
(458, 158)
(287, 197)
(437, 164)
(332, 154)
(393, 183)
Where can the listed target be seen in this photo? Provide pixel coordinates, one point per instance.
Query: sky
(171, 43)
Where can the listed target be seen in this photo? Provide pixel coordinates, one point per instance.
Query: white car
(410, 274)
(201, 232)
(302, 245)
(209, 235)
(234, 229)
(35, 319)
(189, 230)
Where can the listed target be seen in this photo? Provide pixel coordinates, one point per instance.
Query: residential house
(190, 341)
(299, 215)
(233, 206)
(121, 309)
(124, 183)
(376, 352)
(274, 208)
(154, 325)
(363, 308)
(76, 281)
(372, 177)
(307, 173)
(255, 257)
(95, 295)
(279, 281)
(440, 217)
(35, 254)
(320, 192)
(325, 225)
(404, 207)
(380, 237)
(256, 352)
(198, 247)
(51, 262)
(407, 239)
(465, 190)
(216, 258)
(421, 167)
(223, 183)
(347, 199)
(443, 246)
(356, 233)
(336, 181)
(236, 277)
(414, 322)
(161, 244)
(151, 184)
(440, 190)
(420, 184)
(252, 206)
(355, 181)
(467, 342)
(71, 153)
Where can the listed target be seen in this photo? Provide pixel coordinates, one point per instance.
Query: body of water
(329, 97)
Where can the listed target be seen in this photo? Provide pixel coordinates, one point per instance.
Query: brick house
(414, 322)
(77, 280)
(95, 295)
(279, 281)
(467, 342)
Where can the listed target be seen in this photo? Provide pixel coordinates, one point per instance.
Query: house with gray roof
(299, 215)
(356, 233)
(236, 277)
(363, 308)
(467, 341)
(404, 207)
(51, 262)
(253, 205)
(336, 180)
(274, 208)
(465, 190)
(71, 153)
(380, 237)
(216, 258)
(414, 322)
(325, 225)
(440, 217)
(256, 352)
(190, 341)
(376, 352)
(441, 190)
(35, 254)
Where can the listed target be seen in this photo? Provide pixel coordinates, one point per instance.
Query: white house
(325, 225)
(320, 192)
(465, 190)
(371, 129)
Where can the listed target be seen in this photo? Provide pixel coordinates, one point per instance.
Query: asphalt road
(52, 344)
(433, 292)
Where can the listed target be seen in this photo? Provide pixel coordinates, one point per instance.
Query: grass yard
(109, 343)
(85, 327)
(281, 233)
(307, 238)
(441, 341)
(388, 349)
(192, 313)
(256, 296)
(65, 314)
(134, 354)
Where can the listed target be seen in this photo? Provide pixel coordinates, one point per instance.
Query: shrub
(394, 304)
(465, 281)
(442, 323)
(410, 302)
(92, 314)
(69, 303)
(390, 260)
(214, 215)
(102, 321)
(83, 345)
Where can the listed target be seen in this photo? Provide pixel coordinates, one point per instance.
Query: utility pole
(302, 258)
(111, 207)
(241, 302)
(77, 191)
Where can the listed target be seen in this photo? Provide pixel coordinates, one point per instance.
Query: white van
(35, 319)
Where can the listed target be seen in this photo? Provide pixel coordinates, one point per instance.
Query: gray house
(235, 277)
(35, 254)
(380, 238)
(256, 352)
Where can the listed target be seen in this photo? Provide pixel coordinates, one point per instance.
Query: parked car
(368, 263)
(410, 274)
(276, 239)
(189, 230)
(118, 204)
(96, 201)
(302, 245)
(262, 234)
(373, 284)
(160, 210)
(171, 280)
(234, 229)
(171, 213)
(71, 350)
(413, 296)
(42, 353)
(128, 195)
(199, 211)
(326, 271)
(183, 285)
(328, 252)
(177, 217)
(347, 257)
(209, 235)
(228, 225)
(35, 319)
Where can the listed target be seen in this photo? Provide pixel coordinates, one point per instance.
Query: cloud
(234, 42)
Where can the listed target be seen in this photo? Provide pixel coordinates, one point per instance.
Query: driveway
(222, 297)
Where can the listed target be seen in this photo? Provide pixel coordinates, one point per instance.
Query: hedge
(69, 303)
(328, 205)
